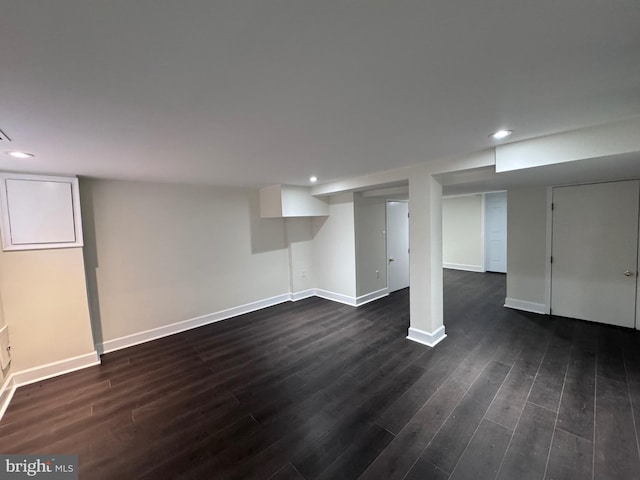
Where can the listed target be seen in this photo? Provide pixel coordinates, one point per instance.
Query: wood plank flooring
(318, 390)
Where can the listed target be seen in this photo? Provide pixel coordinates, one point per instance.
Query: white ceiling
(593, 170)
(254, 92)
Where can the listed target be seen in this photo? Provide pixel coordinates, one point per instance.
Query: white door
(495, 224)
(595, 252)
(398, 245)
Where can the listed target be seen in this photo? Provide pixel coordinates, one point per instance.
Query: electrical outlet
(303, 274)
(377, 273)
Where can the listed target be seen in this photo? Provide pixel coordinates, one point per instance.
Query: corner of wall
(7, 390)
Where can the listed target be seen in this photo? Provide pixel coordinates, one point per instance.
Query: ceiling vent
(4, 137)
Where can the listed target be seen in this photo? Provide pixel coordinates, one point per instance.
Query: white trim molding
(336, 297)
(6, 394)
(49, 370)
(370, 297)
(43, 372)
(426, 338)
(525, 306)
(349, 300)
(45, 183)
(483, 233)
(549, 243)
(462, 266)
(173, 328)
(301, 295)
(166, 330)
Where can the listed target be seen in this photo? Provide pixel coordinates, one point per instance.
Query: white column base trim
(173, 328)
(462, 266)
(43, 372)
(525, 306)
(426, 338)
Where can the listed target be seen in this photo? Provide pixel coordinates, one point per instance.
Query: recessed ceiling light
(500, 134)
(17, 154)
(313, 179)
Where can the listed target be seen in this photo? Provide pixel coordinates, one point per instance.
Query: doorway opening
(397, 245)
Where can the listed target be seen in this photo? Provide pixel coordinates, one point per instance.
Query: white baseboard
(426, 338)
(370, 297)
(43, 372)
(462, 266)
(166, 330)
(301, 295)
(347, 299)
(49, 370)
(336, 297)
(525, 306)
(171, 329)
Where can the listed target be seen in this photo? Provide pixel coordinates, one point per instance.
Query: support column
(425, 263)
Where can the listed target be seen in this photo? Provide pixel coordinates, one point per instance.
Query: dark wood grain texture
(484, 453)
(319, 390)
(570, 457)
(527, 455)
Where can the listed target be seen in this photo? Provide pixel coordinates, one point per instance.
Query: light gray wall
(463, 232)
(44, 300)
(334, 254)
(371, 248)
(300, 241)
(527, 236)
(157, 254)
(298, 202)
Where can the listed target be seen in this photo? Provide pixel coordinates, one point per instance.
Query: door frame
(386, 217)
(549, 242)
(485, 230)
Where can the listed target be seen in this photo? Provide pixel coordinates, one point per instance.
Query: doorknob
(627, 273)
(392, 260)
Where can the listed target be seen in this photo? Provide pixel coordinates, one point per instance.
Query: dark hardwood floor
(319, 390)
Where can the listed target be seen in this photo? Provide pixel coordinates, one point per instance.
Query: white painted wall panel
(371, 264)
(334, 260)
(527, 244)
(463, 232)
(158, 254)
(300, 241)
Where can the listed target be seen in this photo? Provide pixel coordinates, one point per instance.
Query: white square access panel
(39, 212)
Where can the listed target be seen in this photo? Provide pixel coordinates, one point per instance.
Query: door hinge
(551, 259)
(553, 205)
